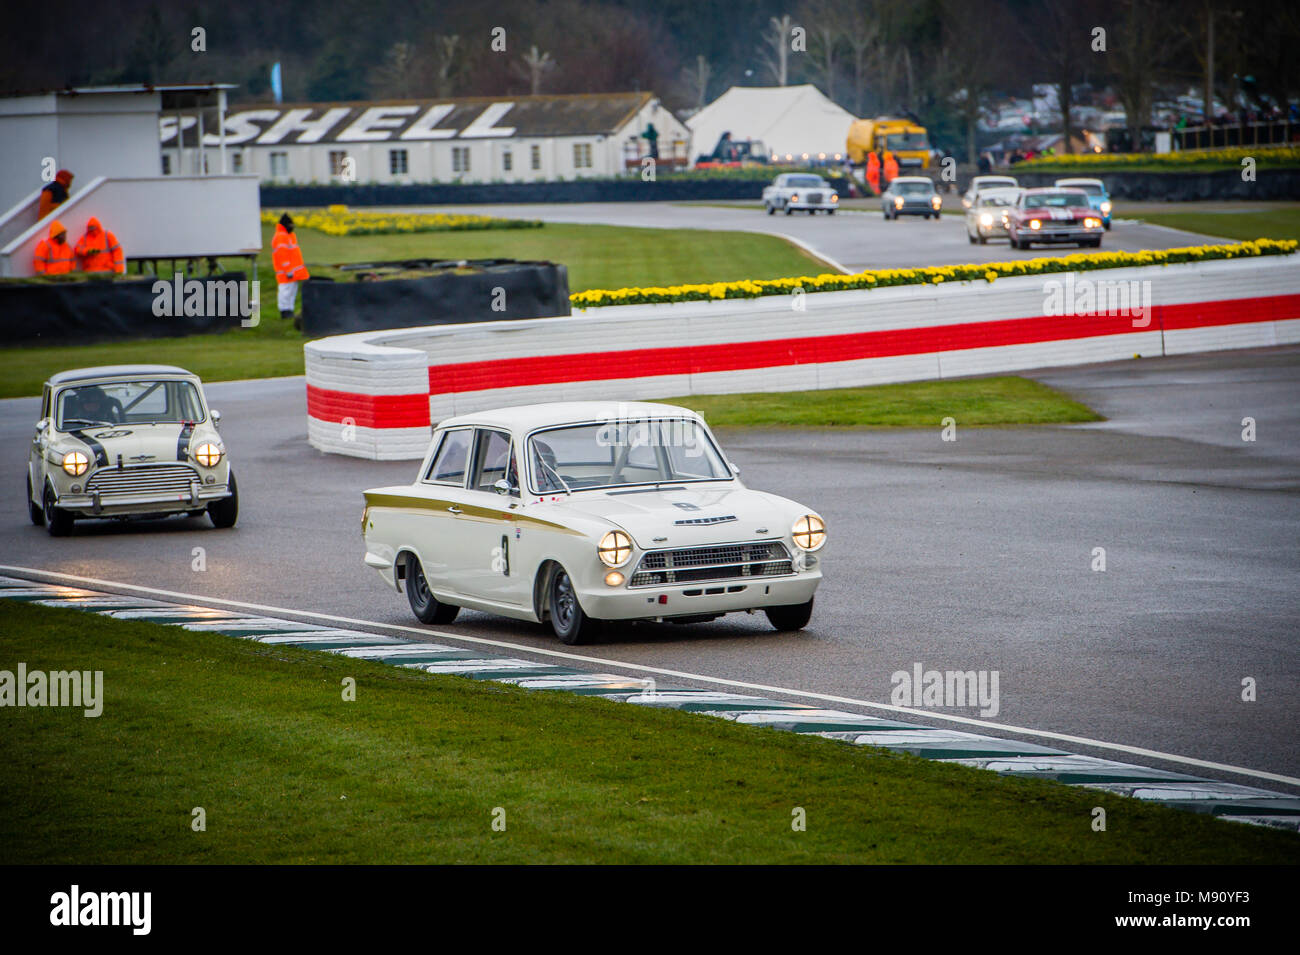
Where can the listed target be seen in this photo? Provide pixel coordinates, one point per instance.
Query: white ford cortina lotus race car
(127, 441)
(578, 513)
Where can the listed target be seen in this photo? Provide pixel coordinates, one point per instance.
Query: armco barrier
(376, 394)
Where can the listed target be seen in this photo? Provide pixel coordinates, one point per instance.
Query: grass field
(1283, 223)
(411, 771)
(596, 256)
(972, 402)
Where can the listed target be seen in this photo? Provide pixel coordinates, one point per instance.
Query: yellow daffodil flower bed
(1173, 162)
(340, 220)
(931, 275)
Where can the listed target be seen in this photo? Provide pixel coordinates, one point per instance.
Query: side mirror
(42, 425)
(735, 470)
(216, 418)
(502, 486)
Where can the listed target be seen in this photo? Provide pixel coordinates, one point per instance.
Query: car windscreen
(1055, 200)
(623, 452)
(994, 200)
(913, 188)
(998, 184)
(806, 182)
(908, 141)
(142, 401)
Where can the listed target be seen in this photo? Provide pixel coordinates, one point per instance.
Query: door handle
(454, 509)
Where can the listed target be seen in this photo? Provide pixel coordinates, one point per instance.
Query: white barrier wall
(376, 394)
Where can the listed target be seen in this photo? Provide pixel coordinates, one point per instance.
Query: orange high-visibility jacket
(54, 258)
(891, 167)
(99, 250)
(287, 257)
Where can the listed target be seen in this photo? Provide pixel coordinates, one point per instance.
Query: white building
(793, 122)
(471, 139)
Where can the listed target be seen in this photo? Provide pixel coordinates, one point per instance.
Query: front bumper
(693, 599)
(120, 505)
(915, 209)
(1061, 233)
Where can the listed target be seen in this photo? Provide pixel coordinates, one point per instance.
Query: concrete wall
(376, 394)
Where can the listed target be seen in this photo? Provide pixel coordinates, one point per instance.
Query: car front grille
(723, 562)
(145, 479)
(815, 197)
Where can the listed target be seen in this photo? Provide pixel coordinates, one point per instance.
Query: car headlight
(835, 197)
(1092, 223)
(936, 201)
(208, 454)
(1035, 224)
(615, 548)
(76, 463)
(898, 202)
(986, 219)
(809, 532)
(1105, 207)
(794, 197)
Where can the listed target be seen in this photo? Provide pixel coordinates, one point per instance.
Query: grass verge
(1255, 224)
(285, 771)
(596, 256)
(972, 402)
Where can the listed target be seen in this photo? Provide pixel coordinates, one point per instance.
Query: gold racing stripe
(405, 502)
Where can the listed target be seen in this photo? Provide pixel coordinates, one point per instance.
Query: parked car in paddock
(586, 512)
(1051, 215)
(986, 217)
(127, 441)
(800, 192)
(1096, 192)
(911, 196)
(984, 184)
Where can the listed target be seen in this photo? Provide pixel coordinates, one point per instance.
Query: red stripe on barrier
(737, 356)
(368, 411)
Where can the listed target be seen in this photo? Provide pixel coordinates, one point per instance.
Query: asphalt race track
(853, 238)
(974, 554)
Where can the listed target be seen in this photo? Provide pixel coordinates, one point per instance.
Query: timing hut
(471, 139)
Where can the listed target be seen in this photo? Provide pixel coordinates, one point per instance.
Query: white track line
(720, 681)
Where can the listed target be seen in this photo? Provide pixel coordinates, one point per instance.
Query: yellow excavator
(906, 139)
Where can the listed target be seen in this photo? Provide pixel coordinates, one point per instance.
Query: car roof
(911, 179)
(1041, 190)
(1080, 182)
(522, 418)
(995, 175)
(115, 371)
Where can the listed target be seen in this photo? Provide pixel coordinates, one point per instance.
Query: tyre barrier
(377, 394)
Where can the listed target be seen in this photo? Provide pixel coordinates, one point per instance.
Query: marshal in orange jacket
(99, 250)
(287, 257)
(55, 257)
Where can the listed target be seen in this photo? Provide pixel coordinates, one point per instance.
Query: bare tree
(445, 63)
(862, 34)
(1060, 32)
(536, 65)
(970, 58)
(395, 76)
(1140, 47)
(697, 80)
(775, 51)
(824, 21)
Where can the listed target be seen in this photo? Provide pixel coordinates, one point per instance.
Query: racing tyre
(1096, 243)
(771, 210)
(971, 238)
(790, 617)
(788, 210)
(33, 509)
(57, 521)
(426, 607)
(225, 512)
(830, 212)
(1106, 226)
(568, 620)
(984, 240)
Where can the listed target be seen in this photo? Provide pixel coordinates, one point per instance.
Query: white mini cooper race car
(127, 441)
(577, 513)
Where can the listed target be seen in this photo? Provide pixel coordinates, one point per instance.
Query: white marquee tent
(788, 119)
